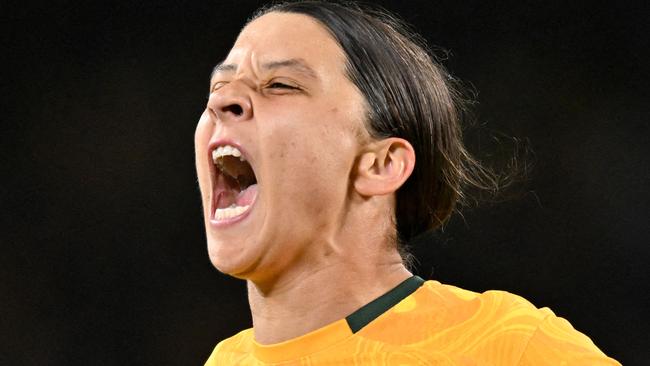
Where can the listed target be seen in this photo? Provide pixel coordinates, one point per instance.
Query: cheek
(202, 136)
(311, 150)
(315, 165)
(202, 132)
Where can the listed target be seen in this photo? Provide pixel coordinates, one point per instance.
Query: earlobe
(384, 167)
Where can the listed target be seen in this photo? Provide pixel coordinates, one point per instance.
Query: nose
(231, 103)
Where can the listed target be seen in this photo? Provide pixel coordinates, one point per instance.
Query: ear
(384, 166)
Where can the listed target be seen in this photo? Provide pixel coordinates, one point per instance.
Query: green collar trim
(380, 305)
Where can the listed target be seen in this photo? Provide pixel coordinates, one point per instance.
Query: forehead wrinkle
(296, 64)
(223, 67)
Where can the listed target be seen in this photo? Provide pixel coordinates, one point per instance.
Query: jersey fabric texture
(427, 323)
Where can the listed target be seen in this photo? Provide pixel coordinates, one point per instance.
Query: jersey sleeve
(555, 342)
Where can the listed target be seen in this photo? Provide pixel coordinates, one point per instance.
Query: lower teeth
(229, 212)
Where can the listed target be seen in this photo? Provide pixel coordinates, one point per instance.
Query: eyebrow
(296, 64)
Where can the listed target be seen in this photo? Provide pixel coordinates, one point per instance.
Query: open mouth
(234, 185)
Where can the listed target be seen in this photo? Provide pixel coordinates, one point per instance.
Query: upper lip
(223, 142)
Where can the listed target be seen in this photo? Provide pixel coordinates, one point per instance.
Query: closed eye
(277, 85)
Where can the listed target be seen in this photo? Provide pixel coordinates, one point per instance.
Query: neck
(318, 295)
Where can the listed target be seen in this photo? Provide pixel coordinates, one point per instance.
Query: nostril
(235, 109)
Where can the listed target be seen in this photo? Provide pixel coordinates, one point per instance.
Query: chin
(229, 259)
(227, 266)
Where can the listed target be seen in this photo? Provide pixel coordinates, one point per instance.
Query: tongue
(247, 196)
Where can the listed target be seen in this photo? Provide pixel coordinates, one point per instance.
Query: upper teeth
(227, 150)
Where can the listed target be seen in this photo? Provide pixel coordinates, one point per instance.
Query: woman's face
(282, 98)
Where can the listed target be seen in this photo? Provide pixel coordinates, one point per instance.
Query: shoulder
(232, 349)
(475, 307)
(499, 320)
(556, 342)
(459, 321)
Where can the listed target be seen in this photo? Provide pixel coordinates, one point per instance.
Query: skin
(321, 227)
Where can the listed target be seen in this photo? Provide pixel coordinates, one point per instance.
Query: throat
(289, 311)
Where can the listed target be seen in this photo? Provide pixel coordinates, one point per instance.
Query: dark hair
(409, 95)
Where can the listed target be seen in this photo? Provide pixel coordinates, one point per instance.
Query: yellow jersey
(427, 323)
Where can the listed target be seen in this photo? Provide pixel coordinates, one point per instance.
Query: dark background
(103, 251)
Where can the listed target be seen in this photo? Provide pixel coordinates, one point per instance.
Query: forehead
(280, 36)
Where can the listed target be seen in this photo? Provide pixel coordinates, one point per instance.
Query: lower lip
(222, 223)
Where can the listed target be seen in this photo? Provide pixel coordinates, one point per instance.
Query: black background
(104, 259)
